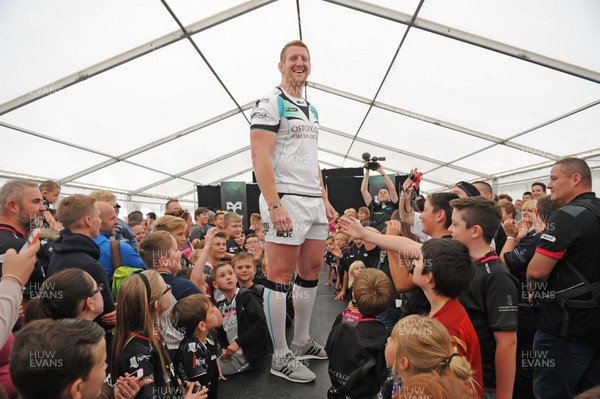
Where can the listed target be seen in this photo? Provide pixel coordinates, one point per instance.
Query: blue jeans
(563, 368)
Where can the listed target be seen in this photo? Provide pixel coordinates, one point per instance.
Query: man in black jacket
(75, 248)
(20, 208)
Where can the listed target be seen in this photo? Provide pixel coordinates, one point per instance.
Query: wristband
(511, 238)
(13, 277)
(272, 208)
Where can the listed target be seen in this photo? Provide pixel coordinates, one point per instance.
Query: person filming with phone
(386, 201)
(20, 210)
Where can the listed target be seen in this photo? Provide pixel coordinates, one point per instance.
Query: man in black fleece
(75, 248)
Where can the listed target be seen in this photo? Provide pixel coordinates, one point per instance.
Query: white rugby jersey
(296, 123)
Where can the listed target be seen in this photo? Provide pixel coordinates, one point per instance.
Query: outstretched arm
(353, 228)
(400, 274)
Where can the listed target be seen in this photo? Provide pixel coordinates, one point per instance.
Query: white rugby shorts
(309, 220)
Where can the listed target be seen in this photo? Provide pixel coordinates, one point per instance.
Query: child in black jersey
(197, 355)
(330, 260)
(356, 343)
(138, 347)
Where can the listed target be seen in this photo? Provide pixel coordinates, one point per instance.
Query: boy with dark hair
(443, 273)
(196, 359)
(538, 190)
(56, 359)
(356, 348)
(492, 297)
(243, 334)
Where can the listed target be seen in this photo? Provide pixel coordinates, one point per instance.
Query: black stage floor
(260, 383)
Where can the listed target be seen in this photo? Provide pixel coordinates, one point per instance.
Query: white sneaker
(290, 368)
(310, 350)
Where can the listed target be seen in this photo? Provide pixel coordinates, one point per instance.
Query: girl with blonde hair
(421, 345)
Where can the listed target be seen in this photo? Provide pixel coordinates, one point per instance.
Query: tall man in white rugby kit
(294, 208)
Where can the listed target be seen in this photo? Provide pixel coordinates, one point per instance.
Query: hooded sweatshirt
(80, 251)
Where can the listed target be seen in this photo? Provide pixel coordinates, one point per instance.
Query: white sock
(304, 302)
(274, 307)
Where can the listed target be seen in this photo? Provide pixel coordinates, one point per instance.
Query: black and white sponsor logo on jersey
(264, 100)
(259, 115)
(291, 109)
(547, 237)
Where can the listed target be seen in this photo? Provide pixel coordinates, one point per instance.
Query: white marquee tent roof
(149, 98)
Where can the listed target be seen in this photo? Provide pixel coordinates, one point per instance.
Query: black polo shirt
(369, 258)
(381, 212)
(491, 303)
(572, 235)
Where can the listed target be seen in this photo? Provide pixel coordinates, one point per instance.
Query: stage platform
(260, 383)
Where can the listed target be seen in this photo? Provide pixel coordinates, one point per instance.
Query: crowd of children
(437, 318)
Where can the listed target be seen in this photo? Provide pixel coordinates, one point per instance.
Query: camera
(416, 178)
(372, 162)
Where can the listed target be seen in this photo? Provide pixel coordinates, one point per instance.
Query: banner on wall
(233, 198)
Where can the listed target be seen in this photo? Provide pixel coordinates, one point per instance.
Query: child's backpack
(121, 273)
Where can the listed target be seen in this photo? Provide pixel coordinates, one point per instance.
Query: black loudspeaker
(209, 196)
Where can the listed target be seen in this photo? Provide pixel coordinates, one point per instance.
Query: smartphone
(198, 389)
(33, 236)
(417, 180)
(139, 373)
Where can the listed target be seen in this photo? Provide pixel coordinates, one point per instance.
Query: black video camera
(372, 162)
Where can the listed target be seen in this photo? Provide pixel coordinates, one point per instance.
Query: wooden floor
(260, 383)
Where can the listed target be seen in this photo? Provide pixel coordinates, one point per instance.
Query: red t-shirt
(464, 338)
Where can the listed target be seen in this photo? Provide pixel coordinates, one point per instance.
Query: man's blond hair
(298, 43)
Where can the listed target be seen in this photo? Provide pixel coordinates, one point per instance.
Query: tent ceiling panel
(542, 174)
(337, 112)
(356, 54)
(191, 11)
(331, 159)
(196, 148)
(243, 177)
(450, 176)
(172, 188)
(126, 107)
(542, 26)
(558, 137)
(43, 157)
(63, 37)
(232, 49)
(499, 158)
(418, 137)
(427, 186)
(122, 175)
(333, 142)
(477, 88)
(216, 171)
